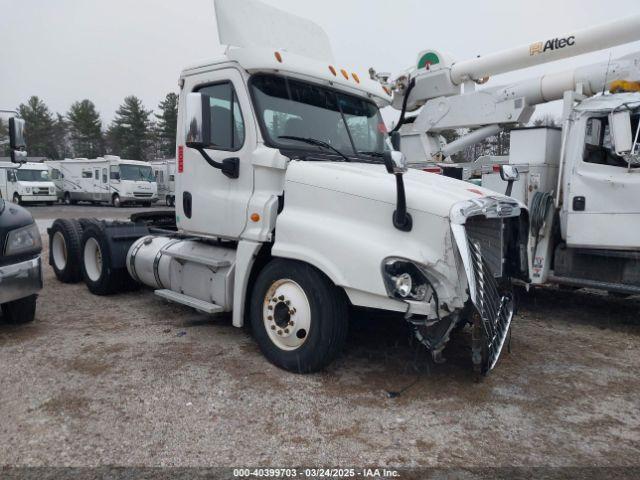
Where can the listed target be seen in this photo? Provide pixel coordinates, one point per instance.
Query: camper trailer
(107, 179)
(164, 172)
(26, 183)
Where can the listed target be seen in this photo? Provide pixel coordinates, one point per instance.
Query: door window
(104, 175)
(598, 147)
(227, 125)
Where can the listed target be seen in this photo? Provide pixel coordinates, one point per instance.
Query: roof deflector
(251, 23)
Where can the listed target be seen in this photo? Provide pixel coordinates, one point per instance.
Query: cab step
(183, 299)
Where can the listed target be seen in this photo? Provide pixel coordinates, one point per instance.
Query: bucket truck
(581, 182)
(291, 207)
(20, 245)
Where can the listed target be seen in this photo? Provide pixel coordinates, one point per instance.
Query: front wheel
(115, 201)
(22, 310)
(299, 318)
(16, 199)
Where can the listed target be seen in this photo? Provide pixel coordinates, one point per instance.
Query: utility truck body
(107, 179)
(580, 182)
(26, 183)
(292, 205)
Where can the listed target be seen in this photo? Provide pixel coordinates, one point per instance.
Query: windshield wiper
(319, 143)
(372, 154)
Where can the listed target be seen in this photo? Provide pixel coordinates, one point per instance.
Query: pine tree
(40, 130)
(167, 125)
(85, 130)
(128, 135)
(4, 138)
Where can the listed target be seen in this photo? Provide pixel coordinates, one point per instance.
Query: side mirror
(197, 133)
(620, 130)
(395, 162)
(198, 121)
(509, 173)
(16, 140)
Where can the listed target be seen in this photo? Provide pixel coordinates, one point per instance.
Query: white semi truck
(20, 245)
(107, 179)
(164, 171)
(292, 207)
(581, 182)
(27, 182)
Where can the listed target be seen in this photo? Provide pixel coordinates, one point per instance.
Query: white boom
(591, 39)
(436, 84)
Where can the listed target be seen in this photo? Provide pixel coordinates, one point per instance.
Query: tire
(167, 200)
(22, 310)
(115, 201)
(64, 250)
(16, 199)
(319, 314)
(98, 274)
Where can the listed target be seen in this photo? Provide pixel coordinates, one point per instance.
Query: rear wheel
(96, 266)
(64, 250)
(299, 318)
(22, 310)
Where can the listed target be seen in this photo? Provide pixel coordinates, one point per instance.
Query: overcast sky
(104, 50)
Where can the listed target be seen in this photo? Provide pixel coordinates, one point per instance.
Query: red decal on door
(180, 158)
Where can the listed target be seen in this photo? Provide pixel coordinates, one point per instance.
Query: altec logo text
(554, 44)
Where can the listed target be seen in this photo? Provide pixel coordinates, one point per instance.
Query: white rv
(107, 179)
(164, 172)
(26, 182)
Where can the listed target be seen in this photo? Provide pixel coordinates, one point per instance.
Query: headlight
(27, 189)
(22, 240)
(52, 190)
(403, 279)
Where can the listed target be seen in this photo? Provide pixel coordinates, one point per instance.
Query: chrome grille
(142, 195)
(495, 309)
(41, 191)
(488, 233)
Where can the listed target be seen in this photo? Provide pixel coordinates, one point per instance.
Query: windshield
(24, 175)
(136, 173)
(294, 108)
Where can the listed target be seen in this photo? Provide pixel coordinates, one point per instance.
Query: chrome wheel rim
(93, 259)
(286, 314)
(59, 251)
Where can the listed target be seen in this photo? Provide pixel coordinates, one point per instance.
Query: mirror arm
(401, 218)
(509, 188)
(229, 166)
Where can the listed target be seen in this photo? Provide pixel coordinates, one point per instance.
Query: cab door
(603, 195)
(211, 203)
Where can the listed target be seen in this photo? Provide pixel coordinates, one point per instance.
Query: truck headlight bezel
(405, 280)
(23, 240)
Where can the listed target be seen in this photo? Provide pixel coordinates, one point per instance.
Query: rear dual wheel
(97, 268)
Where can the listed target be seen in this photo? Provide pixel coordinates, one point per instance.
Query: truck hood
(426, 192)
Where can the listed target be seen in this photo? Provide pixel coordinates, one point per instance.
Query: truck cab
(26, 183)
(293, 205)
(20, 248)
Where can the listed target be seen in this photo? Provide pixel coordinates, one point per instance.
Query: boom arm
(438, 86)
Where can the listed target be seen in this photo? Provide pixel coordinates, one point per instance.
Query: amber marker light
(255, 217)
(344, 74)
(332, 70)
(278, 56)
(356, 77)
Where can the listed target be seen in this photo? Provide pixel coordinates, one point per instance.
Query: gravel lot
(130, 380)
